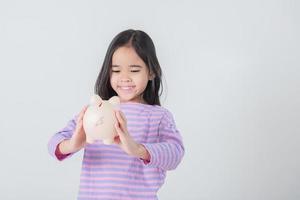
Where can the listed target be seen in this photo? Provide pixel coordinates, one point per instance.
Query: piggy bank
(99, 120)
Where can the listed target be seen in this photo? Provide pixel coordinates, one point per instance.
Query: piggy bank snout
(97, 119)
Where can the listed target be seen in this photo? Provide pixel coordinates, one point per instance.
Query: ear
(115, 101)
(151, 76)
(95, 100)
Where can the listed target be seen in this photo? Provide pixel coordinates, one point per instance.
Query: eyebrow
(128, 66)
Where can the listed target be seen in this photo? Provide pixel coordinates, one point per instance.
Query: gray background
(232, 78)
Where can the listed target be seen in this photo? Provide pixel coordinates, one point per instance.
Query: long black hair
(144, 47)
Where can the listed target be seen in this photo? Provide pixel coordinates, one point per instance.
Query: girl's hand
(78, 138)
(125, 141)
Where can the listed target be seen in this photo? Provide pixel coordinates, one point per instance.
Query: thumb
(119, 130)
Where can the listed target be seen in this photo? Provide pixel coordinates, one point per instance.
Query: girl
(148, 142)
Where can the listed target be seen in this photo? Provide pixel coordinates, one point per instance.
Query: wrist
(142, 152)
(67, 146)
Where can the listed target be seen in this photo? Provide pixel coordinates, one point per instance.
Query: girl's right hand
(78, 138)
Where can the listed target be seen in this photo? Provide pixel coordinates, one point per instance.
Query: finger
(79, 118)
(117, 140)
(83, 110)
(123, 116)
(120, 119)
(78, 126)
(81, 114)
(119, 130)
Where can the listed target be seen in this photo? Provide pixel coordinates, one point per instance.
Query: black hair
(144, 47)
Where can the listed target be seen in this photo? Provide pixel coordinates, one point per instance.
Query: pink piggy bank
(99, 120)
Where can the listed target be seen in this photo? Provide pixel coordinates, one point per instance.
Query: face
(129, 75)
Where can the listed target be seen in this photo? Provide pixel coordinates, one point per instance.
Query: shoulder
(163, 112)
(153, 111)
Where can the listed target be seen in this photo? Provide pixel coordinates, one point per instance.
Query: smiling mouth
(126, 87)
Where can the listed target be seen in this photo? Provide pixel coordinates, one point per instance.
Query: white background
(232, 78)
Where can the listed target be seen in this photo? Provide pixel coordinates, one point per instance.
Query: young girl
(148, 142)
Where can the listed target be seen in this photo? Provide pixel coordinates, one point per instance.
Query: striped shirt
(109, 173)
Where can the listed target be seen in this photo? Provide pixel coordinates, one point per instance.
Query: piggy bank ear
(95, 100)
(115, 101)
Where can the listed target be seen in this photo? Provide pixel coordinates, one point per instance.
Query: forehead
(125, 56)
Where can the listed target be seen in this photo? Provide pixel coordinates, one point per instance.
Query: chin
(125, 99)
(129, 100)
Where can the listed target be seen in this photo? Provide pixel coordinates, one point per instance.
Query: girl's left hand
(125, 141)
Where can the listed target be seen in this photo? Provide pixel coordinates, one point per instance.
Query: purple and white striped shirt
(109, 173)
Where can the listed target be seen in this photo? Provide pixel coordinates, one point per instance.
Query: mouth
(126, 88)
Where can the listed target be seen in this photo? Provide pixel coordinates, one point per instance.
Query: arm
(62, 136)
(70, 139)
(168, 152)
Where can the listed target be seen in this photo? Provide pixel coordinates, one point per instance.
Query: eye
(115, 71)
(135, 70)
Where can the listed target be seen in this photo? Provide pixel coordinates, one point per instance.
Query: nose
(125, 78)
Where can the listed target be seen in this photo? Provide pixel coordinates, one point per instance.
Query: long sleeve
(168, 152)
(65, 133)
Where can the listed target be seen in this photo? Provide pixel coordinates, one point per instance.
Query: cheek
(113, 77)
(112, 81)
(143, 82)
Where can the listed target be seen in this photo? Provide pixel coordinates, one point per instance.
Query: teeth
(126, 88)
